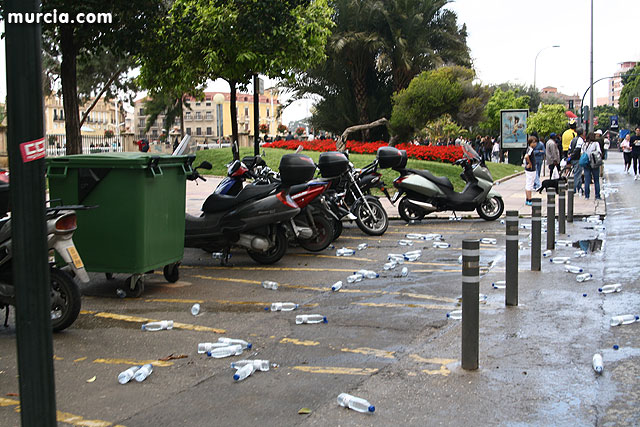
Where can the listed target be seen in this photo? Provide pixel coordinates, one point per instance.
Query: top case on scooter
(388, 157)
(296, 169)
(220, 202)
(332, 164)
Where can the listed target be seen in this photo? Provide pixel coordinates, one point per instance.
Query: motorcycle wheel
(373, 225)
(337, 229)
(409, 212)
(322, 238)
(491, 209)
(65, 300)
(275, 253)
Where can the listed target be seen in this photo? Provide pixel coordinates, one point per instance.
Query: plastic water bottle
(158, 326)
(415, 252)
(525, 226)
(573, 269)
(283, 306)
(500, 284)
(310, 319)
(356, 403)
(441, 245)
(434, 236)
(336, 286)
(195, 309)
(415, 236)
(233, 341)
(244, 372)
(259, 365)
(455, 315)
(584, 277)
(597, 363)
(624, 319)
(354, 278)
(411, 257)
(390, 265)
(268, 284)
(560, 260)
(489, 241)
(217, 255)
(126, 376)
(121, 293)
(564, 242)
(142, 373)
(229, 350)
(403, 273)
(362, 246)
(547, 253)
(460, 259)
(609, 289)
(415, 221)
(368, 274)
(397, 258)
(405, 242)
(579, 254)
(205, 347)
(345, 252)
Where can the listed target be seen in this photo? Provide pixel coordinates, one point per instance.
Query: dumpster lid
(116, 160)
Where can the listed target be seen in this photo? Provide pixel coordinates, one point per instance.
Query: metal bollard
(511, 270)
(562, 226)
(470, 297)
(536, 233)
(551, 218)
(570, 204)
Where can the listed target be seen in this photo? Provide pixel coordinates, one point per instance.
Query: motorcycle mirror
(205, 165)
(299, 149)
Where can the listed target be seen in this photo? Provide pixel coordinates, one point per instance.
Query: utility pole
(26, 146)
(590, 124)
(256, 115)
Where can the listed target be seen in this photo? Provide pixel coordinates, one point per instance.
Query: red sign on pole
(33, 150)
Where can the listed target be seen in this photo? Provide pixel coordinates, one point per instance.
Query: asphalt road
(387, 339)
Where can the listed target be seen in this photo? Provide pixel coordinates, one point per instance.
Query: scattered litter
(173, 357)
(560, 260)
(405, 242)
(482, 299)
(92, 379)
(584, 277)
(415, 236)
(260, 365)
(441, 245)
(403, 273)
(616, 346)
(580, 254)
(244, 372)
(412, 256)
(268, 284)
(356, 403)
(234, 341)
(283, 306)
(397, 258)
(362, 246)
(500, 284)
(205, 347)
(597, 363)
(625, 319)
(564, 242)
(455, 218)
(127, 375)
(354, 278)
(195, 309)
(573, 269)
(229, 350)
(609, 289)
(460, 259)
(547, 253)
(390, 265)
(142, 373)
(121, 293)
(415, 221)
(158, 326)
(345, 252)
(455, 315)
(304, 411)
(336, 286)
(525, 226)
(488, 241)
(310, 319)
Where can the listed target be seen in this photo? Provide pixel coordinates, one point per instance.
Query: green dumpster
(138, 225)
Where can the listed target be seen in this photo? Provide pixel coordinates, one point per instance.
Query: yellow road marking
(186, 301)
(269, 268)
(335, 257)
(87, 312)
(443, 370)
(370, 351)
(57, 357)
(176, 325)
(299, 342)
(336, 370)
(225, 279)
(80, 359)
(396, 305)
(64, 417)
(133, 362)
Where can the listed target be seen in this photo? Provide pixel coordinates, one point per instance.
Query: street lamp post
(535, 63)
(218, 99)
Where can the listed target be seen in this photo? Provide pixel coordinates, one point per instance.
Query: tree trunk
(234, 121)
(341, 143)
(70, 90)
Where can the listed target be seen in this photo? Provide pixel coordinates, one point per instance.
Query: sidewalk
(511, 188)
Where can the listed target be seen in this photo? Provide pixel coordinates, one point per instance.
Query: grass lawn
(219, 157)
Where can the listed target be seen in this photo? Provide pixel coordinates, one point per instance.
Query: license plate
(395, 197)
(75, 257)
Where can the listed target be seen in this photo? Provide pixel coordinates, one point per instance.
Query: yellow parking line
(396, 305)
(370, 351)
(131, 362)
(351, 258)
(177, 300)
(443, 370)
(64, 417)
(176, 325)
(336, 370)
(299, 342)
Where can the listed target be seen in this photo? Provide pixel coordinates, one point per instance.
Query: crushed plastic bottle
(597, 363)
(259, 365)
(415, 236)
(579, 254)
(158, 326)
(547, 253)
(525, 226)
(310, 319)
(142, 373)
(229, 350)
(411, 257)
(243, 372)
(195, 309)
(560, 260)
(489, 241)
(441, 245)
(460, 259)
(455, 315)
(455, 218)
(126, 376)
(234, 341)
(500, 284)
(205, 347)
(371, 275)
(584, 277)
(121, 293)
(362, 246)
(564, 242)
(390, 265)
(573, 269)
(283, 306)
(433, 236)
(405, 242)
(354, 278)
(336, 286)
(217, 255)
(397, 258)
(403, 273)
(268, 284)
(625, 319)
(345, 252)
(356, 403)
(609, 289)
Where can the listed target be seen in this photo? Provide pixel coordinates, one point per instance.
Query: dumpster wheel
(172, 272)
(136, 285)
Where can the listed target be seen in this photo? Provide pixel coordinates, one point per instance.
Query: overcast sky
(505, 35)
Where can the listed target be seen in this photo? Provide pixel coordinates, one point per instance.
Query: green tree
(501, 100)
(521, 90)
(549, 118)
(630, 90)
(603, 113)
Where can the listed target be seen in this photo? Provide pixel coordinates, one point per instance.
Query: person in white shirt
(590, 147)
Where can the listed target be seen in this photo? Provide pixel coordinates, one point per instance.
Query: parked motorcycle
(253, 219)
(420, 192)
(65, 294)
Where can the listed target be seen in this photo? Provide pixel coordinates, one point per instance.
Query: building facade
(615, 83)
(571, 102)
(104, 116)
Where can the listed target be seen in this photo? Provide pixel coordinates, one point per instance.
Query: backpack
(574, 150)
(596, 160)
(584, 160)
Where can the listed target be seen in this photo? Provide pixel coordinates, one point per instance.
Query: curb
(507, 178)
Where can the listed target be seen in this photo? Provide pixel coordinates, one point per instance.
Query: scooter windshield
(469, 152)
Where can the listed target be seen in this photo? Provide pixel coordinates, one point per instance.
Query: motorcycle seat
(440, 180)
(295, 189)
(221, 202)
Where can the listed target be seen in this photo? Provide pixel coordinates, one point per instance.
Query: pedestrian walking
(575, 150)
(635, 152)
(567, 138)
(625, 145)
(592, 169)
(538, 155)
(495, 153)
(530, 168)
(553, 155)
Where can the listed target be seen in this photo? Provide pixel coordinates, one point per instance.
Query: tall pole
(535, 63)
(590, 124)
(26, 146)
(256, 115)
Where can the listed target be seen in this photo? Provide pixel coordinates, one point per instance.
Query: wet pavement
(387, 339)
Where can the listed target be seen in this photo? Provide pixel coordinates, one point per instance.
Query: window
(141, 123)
(142, 111)
(208, 131)
(267, 111)
(209, 116)
(198, 131)
(208, 104)
(188, 131)
(187, 115)
(55, 114)
(198, 115)
(246, 111)
(154, 133)
(197, 104)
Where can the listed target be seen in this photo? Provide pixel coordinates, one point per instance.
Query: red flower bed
(447, 154)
